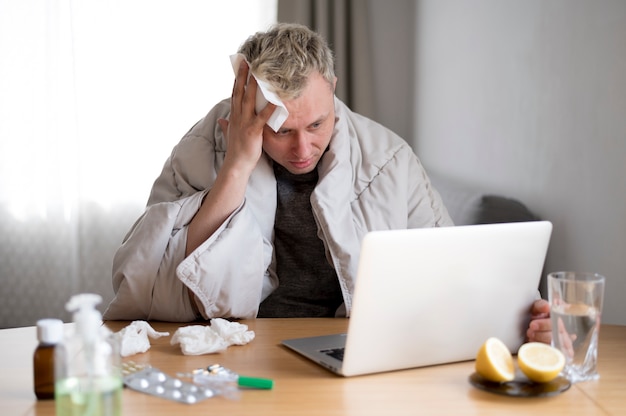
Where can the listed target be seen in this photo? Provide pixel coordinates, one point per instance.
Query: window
(94, 96)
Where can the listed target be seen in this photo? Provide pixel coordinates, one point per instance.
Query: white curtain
(93, 96)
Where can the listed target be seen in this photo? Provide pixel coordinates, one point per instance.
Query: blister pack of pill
(155, 382)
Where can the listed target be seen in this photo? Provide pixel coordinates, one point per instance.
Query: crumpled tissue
(202, 339)
(134, 337)
(280, 114)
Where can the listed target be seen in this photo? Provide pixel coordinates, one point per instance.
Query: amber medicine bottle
(49, 334)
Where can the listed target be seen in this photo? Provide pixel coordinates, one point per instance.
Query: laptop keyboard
(336, 353)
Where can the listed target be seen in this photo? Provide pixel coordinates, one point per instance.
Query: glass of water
(575, 309)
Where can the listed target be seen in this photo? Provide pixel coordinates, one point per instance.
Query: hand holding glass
(575, 309)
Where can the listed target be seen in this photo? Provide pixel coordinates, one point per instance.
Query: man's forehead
(305, 116)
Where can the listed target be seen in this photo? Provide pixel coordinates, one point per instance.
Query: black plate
(521, 387)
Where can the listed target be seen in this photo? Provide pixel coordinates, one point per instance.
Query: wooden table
(303, 388)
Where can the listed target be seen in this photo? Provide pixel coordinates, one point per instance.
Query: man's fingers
(540, 336)
(541, 325)
(223, 125)
(249, 97)
(239, 87)
(540, 307)
(540, 330)
(267, 112)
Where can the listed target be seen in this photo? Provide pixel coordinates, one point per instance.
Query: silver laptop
(433, 296)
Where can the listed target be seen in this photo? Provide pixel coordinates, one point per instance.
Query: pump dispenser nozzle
(77, 302)
(85, 314)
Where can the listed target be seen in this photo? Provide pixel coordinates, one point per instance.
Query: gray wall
(528, 98)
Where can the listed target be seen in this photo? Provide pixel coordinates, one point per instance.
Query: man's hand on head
(244, 128)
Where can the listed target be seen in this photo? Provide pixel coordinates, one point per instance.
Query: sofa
(467, 205)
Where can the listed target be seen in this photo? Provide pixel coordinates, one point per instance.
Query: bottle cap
(50, 331)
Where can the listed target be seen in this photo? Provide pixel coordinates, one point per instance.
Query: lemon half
(540, 362)
(494, 361)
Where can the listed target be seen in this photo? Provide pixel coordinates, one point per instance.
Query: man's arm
(244, 135)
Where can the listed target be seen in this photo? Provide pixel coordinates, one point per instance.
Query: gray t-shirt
(308, 284)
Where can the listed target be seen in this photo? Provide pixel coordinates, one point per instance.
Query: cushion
(494, 208)
(467, 205)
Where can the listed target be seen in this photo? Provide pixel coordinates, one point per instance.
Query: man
(247, 221)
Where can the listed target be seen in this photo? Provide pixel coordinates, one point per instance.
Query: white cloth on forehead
(203, 339)
(263, 95)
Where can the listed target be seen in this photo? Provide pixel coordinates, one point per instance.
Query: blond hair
(285, 56)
